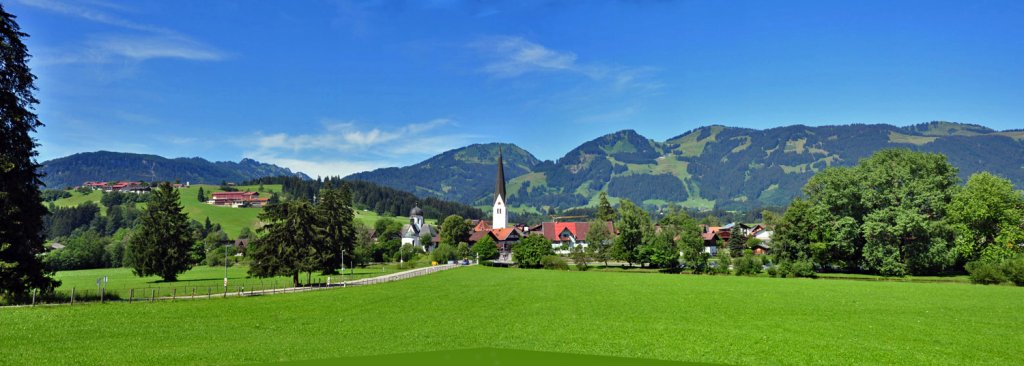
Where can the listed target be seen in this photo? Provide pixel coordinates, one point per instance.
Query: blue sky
(336, 87)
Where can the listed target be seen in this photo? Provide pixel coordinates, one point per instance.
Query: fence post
(174, 293)
(209, 292)
(72, 296)
(152, 295)
(33, 297)
(131, 296)
(193, 292)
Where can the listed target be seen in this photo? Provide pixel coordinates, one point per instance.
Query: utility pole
(225, 268)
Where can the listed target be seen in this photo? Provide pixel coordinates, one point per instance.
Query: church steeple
(499, 214)
(499, 189)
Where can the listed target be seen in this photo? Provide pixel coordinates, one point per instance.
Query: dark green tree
(21, 207)
(486, 248)
(334, 208)
(737, 242)
(164, 242)
(454, 230)
(286, 244)
(529, 251)
(605, 212)
(202, 195)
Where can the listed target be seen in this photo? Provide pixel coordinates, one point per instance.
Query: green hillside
(231, 219)
(709, 319)
(707, 167)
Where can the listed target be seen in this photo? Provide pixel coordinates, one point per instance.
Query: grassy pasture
(727, 319)
(231, 219)
(121, 280)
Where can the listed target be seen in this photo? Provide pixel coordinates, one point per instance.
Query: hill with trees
(712, 167)
(103, 166)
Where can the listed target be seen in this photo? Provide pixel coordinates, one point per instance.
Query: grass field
(121, 280)
(726, 319)
(231, 219)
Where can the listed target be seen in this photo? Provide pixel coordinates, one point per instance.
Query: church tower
(499, 214)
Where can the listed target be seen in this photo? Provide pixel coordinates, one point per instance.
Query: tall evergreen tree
(202, 195)
(335, 216)
(737, 242)
(164, 242)
(21, 207)
(286, 244)
(605, 212)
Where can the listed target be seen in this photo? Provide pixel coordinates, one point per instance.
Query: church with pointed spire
(499, 212)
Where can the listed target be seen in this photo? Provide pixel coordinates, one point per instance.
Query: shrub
(529, 251)
(797, 268)
(985, 272)
(1014, 270)
(773, 270)
(747, 265)
(443, 253)
(554, 262)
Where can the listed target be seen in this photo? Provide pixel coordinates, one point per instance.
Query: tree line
(370, 196)
(900, 213)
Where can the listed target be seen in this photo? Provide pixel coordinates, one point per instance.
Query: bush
(529, 252)
(554, 262)
(747, 265)
(797, 268)
(443, 253)
(1014, 270)
(773, 270)
(985, 272)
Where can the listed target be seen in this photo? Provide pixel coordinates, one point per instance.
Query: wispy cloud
(93, 15)
(515, 56)
(142, 42)
(343, 148)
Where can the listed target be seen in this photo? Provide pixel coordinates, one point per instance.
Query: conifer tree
(21, 207)
(286, 245)
(163, 244)
(605, 212)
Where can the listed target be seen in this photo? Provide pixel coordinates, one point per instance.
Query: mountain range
(708, 167)
(103, 166)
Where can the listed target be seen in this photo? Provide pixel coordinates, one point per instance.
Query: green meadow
(714, 319)
(120, 281)
(231, 219)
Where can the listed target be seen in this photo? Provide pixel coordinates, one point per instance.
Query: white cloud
(343, 148)
(146, 42)
(516, 56)
(344, 137)
(93, 15)
(320, 167)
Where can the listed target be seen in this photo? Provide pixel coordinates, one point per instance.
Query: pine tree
(605, 212)
(286, 246)
(164, 243)
(334, 210)
(21, 207)
(202, 195)
(737, 242)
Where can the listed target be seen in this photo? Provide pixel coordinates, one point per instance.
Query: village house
(237, 199)
(565, 236)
